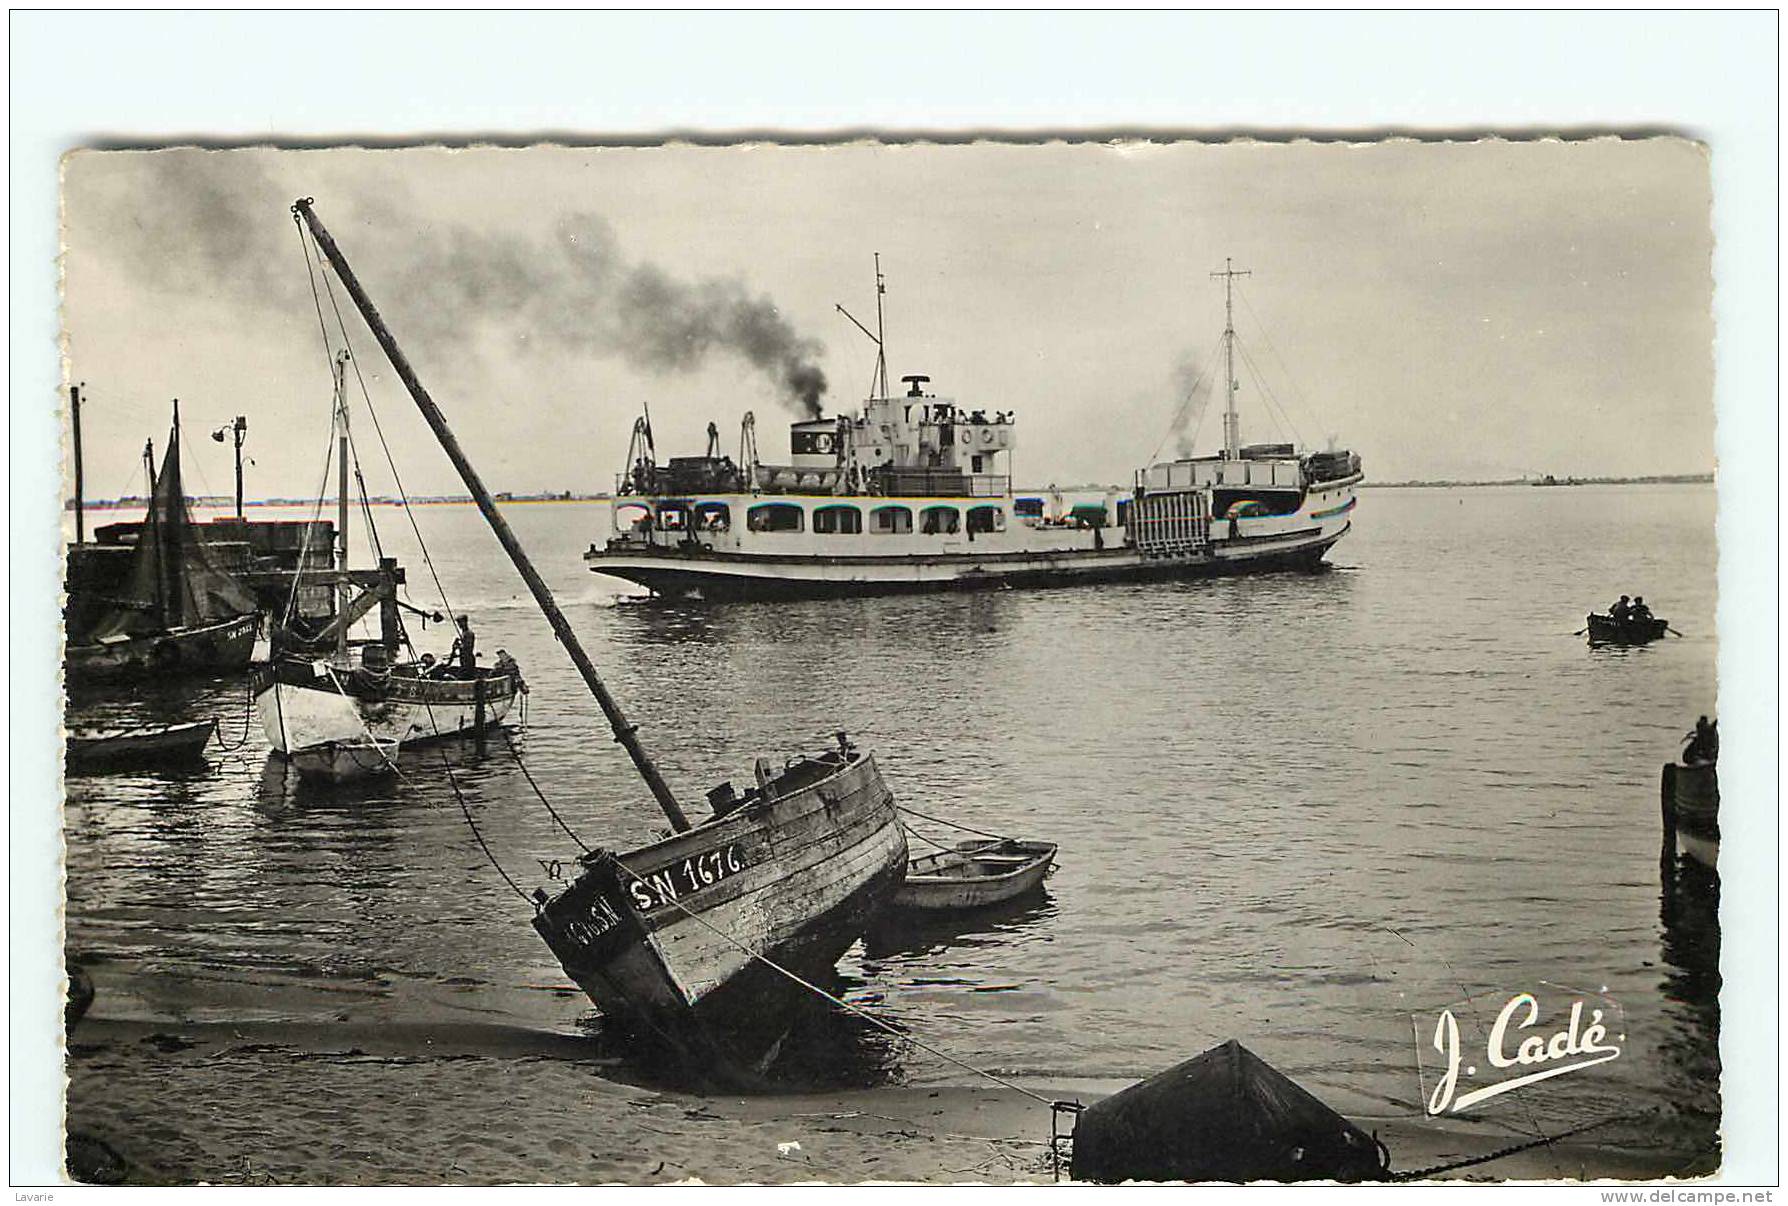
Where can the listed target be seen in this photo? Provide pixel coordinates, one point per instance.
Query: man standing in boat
(464, 650)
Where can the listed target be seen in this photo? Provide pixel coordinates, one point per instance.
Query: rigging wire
(1266, 392)
(1266, 334)
(310, 267)
(527, 774)
(379, 430)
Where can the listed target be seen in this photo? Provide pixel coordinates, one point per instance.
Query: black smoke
(218, 223)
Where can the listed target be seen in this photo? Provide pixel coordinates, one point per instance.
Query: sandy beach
(261, 1103)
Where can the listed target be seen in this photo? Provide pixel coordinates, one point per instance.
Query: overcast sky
(1462, 310)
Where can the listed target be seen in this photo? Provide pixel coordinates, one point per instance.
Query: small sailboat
(696, 938)
(974, 874)
(341, 709)
(180, 613)
(122, 749)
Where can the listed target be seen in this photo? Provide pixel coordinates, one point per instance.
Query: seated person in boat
(1704, 743)
(1640, 611)
(1621, 610)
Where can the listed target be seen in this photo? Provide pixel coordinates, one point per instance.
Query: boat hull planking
(667, 939)
(219, 648)
(181, 743)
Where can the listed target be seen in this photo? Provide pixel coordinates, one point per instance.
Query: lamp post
(237, 430)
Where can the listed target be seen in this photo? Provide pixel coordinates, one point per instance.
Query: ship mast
(881, 346)
(625, 732)
(344, 592)
(1232, 430)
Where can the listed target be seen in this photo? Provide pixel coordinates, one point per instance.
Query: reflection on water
(1689, 913)
(1294, 810)
(899, 937)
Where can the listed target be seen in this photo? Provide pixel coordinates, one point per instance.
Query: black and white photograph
(1009, 659)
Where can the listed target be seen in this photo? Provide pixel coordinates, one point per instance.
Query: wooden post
(625, 732)
(478, 709)
(74, 403)
(1667, 808)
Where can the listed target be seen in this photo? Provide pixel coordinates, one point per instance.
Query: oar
(1671, 630)
(1581, 631)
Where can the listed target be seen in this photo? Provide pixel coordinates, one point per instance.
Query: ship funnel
(916, 381)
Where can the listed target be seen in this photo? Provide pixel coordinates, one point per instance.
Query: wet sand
(266, 1103)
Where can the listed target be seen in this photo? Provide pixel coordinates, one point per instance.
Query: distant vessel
(915, 493)
(177, 611)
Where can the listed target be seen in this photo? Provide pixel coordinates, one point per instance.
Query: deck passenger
(1621, 610)
(1640, 610)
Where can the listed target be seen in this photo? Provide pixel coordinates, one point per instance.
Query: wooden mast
(344, 591)
(625, 732)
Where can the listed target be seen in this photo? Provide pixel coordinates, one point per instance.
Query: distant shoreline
(460, 500)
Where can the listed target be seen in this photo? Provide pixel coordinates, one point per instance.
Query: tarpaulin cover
(1226, 1115)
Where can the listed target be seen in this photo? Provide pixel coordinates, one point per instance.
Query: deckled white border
(115, 76)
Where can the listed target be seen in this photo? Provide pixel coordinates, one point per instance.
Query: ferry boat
(915, 493)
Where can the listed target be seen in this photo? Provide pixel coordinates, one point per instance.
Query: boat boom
(625, 732)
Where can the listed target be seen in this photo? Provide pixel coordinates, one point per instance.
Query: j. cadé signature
(1570, 1049)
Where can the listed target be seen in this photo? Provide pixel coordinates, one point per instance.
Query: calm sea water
(1307, 812)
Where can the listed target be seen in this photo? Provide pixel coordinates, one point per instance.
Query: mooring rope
(907, 808)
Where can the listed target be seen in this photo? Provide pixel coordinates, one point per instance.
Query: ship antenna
(878, 382)
(1232, 434)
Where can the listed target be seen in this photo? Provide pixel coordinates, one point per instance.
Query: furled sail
(175, 579)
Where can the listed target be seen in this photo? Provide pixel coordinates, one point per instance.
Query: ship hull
(721, 576)
(671, 940)
(219, 648)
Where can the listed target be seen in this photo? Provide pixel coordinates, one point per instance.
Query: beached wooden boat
(180, 612)
(97, 749)
(974, 874)
(1691, 804)
(1606, 630)
(695, 938)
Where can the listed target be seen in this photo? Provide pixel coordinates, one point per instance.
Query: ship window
(935, 521)
(838, 520)
(975, 465)
(891, 520)
(713, 516)
(632, 517)
(672, 517)
(774, 517)
(987, 519)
